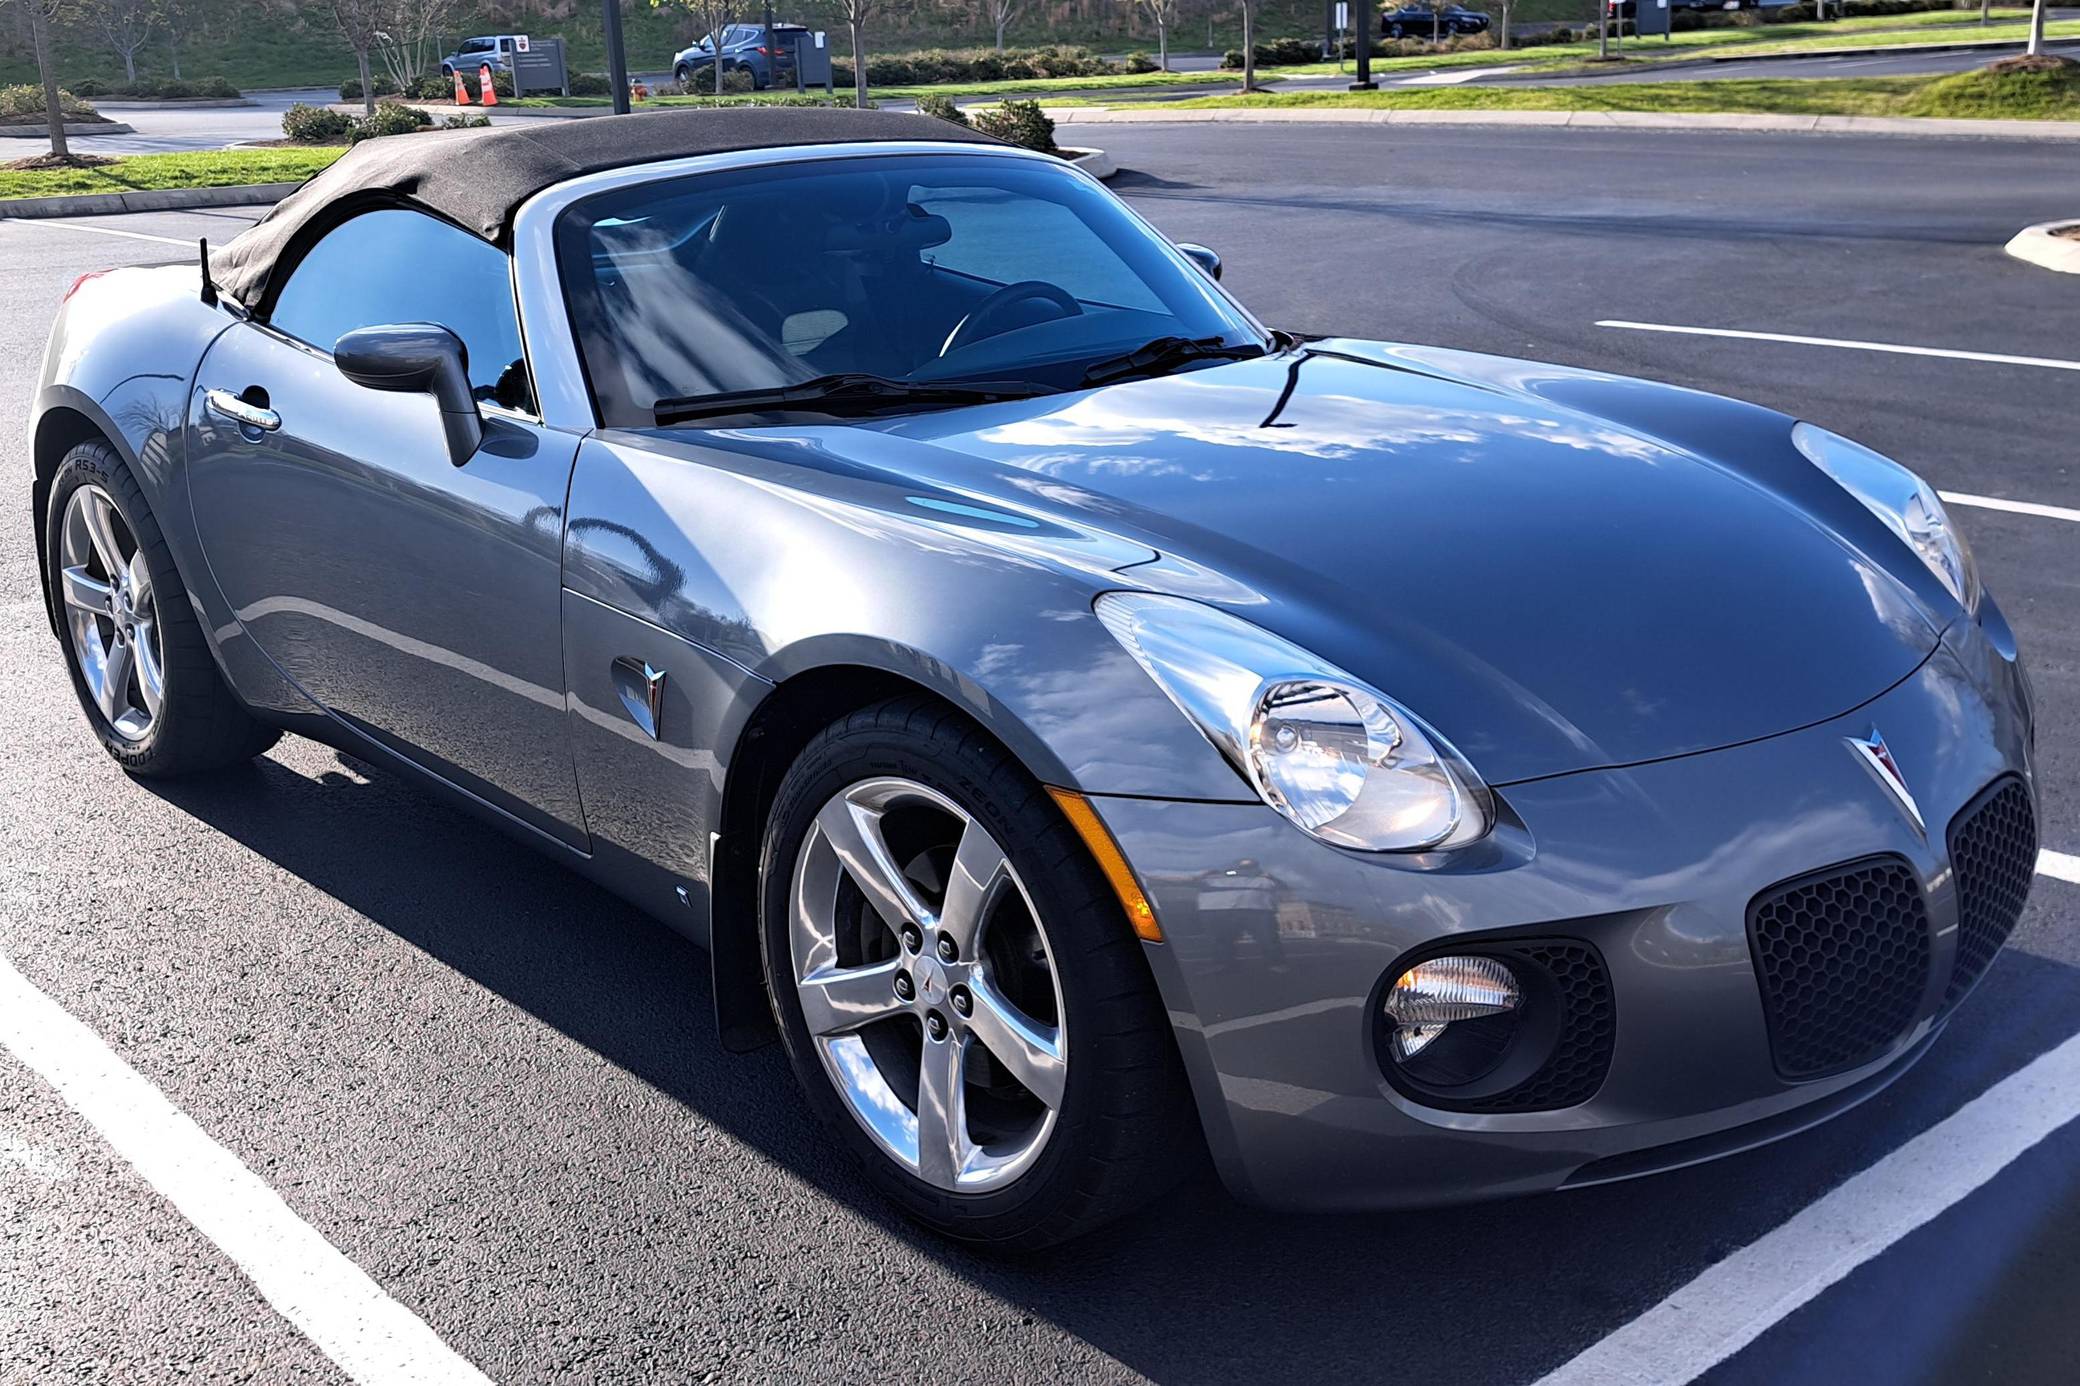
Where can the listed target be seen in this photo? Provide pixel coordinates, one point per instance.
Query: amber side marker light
(1105, 851)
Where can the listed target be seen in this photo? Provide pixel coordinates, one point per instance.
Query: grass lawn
(216, 168)
(1760, 41)
(1974, 95)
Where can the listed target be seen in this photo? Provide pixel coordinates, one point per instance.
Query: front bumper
(1655, 865)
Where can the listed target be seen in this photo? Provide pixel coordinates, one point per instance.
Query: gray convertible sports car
(1092, 729)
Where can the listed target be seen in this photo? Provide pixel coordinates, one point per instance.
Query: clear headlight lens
(1340, 759)
(1907, 504)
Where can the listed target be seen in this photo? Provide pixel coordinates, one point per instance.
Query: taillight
(77, 283)
(764, 52)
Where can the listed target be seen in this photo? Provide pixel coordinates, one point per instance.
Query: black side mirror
(418, 358)
(1206, 259)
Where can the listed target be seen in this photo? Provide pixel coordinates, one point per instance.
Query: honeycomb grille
(1588, 1030)
(1993, 846)
(1843, 961)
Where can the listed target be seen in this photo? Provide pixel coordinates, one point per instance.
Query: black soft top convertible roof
(479, 178)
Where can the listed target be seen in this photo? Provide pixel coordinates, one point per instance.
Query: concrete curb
(162, 200)
(175, 103)
(42, 131)
(1096, 162)
(2037, 245)
(2048, 130)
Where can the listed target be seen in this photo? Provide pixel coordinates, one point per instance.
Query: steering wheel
(970, 328)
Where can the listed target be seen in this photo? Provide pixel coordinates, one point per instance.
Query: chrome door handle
(230, 406)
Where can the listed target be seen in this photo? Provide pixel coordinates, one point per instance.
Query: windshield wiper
(851, 392)
(1166, 354)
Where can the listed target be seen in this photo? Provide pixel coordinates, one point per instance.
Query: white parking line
(371, 1337)
(2048, 362)
(2013, 507)
(1740, 1298)
(2058, 865)
(96, 230)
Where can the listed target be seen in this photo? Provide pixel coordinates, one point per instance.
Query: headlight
(1338, 758)
(1907, 504)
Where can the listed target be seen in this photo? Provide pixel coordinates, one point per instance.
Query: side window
(402, 266)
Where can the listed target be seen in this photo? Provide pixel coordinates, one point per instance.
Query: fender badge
(1877, 757)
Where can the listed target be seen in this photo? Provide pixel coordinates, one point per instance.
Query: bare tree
(179, 16)
(40, 13)
(361, 25)
(125, 25)
(1502, 24)
(1001, 13)
(408, 39)
(2036, 28)
(1165, 13)
(713, 16)
(1249, 45)
(856, 14)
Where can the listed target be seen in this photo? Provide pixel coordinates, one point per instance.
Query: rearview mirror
(1206, 259)
(418, 358)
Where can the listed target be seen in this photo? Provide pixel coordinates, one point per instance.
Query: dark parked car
(1087, 727)
(1421, 21)
(744, 49)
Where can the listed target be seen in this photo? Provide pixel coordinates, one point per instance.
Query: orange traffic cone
(461, 92)
(485, 85)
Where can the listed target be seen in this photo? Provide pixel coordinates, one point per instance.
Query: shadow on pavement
(1197, 1289)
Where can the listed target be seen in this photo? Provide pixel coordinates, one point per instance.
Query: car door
(414, 598)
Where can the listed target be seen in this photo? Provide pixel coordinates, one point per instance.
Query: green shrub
(933, 65)
(391, 118)
(943, 108)
(26, 102)
(589, 84)
(158, 89)
(462, 120)
(735, 81)
(767, 98)
(1141, 62)
(316, 124)
(1285, 52)
(350, 90)
(1020, 122)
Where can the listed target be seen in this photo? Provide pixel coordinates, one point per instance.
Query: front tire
(139, 663)
(957, 988)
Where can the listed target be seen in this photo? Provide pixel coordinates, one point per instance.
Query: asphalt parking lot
(497, 1092)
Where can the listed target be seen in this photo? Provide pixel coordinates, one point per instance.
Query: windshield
(915, 268)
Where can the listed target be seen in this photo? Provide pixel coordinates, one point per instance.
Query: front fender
(783, 565)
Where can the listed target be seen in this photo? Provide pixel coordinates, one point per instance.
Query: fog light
(1434, 995)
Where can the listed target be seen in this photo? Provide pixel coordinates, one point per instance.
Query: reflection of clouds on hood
(1133, 432)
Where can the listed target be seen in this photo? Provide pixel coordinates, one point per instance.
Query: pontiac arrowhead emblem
(1877, 757)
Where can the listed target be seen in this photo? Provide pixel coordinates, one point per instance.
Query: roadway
(496, 1091)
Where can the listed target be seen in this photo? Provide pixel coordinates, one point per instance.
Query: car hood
(1553, 590)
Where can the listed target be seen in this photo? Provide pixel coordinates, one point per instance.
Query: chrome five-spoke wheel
(927, 984)
(111, 613)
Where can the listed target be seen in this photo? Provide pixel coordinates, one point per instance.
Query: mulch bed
(46, 161)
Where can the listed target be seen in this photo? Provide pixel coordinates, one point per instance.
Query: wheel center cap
(931, 980)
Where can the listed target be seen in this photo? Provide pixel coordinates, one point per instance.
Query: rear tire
(1121, 1127)
(166, 710)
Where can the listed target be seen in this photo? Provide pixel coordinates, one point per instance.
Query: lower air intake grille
(1993, 847)
(1588, 1030)
(1843, 958)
